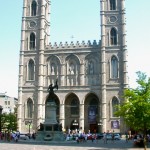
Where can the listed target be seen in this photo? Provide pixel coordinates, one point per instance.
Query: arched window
(74, 107)
(31, 70)
(93, 103)
(32, 41)
(114, 104)
(113, 36)
(33, 8)
(114, 67)
(91, 67)
(29, 108)
(112, 4)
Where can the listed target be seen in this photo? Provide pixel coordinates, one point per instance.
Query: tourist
(105, 138)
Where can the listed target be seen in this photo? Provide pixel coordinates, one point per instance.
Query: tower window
(29, 108)
(114, 67)
(113, 36)
(112, 4)
(115, 103)
(32, 41)
(33, 8)
(31, 70)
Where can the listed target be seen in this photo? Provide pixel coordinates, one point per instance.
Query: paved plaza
(68, 145)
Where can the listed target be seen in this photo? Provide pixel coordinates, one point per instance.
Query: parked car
(24, 137)
(109, 136)
(117, 136)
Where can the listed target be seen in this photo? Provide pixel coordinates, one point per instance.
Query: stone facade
(91, 76)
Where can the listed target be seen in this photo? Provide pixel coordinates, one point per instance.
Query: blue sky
(81, 19)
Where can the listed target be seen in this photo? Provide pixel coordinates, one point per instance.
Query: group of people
(81, 136)
(9, 136)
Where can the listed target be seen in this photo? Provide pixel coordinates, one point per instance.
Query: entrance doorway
(93, 128)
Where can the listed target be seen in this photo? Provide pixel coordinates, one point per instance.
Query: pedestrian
(16, 138)
(126, 136)
(85, 137)
(93, 137)
(113, 137)
(105, 138)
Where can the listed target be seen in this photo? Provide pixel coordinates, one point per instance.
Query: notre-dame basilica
(91, 76)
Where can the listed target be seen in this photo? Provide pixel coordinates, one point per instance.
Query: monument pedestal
(50, 129)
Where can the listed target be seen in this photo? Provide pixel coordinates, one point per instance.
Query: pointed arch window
(113, 36)
(29, 108)
(31, 70)
(114, 67)
(112, 4)
(115, 103)
(74, 107)
(33, 8)
(93, 103)
(32, 41)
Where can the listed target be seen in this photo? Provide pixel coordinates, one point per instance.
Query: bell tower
(113, 55)
(34, 39)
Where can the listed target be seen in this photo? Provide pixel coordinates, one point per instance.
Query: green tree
(136, 106)
(9, 122)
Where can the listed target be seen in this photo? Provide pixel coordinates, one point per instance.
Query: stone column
(41, 63)
(62, 115)
(103, 65)
(63, 74)
(21, 65)
(82, 70)
(81, 119)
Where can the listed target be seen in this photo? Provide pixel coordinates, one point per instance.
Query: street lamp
(29, 122)
(1, 108)
(100, 123)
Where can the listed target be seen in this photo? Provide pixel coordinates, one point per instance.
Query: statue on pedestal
(50, 129)
(51, 87)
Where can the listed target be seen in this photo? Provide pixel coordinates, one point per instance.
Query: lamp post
(100, 124)
(28, 123)
(1, 108)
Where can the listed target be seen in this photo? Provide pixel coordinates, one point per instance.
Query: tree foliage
(9, 122)
(136, 106)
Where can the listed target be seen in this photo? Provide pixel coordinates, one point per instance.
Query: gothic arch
(29, 108)
(34, 6)
(72, 64)
(113, 36)
(32, 41)
(30, 70)
(113, 103)
(53, 60)
(91, 59)
(114, 67)
(53, 69)
(92, 69)
(72, 104)
(112, 5)
(56, 100)
(92, 108)
(72, 70)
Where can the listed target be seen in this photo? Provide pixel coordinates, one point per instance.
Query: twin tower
(91, 76)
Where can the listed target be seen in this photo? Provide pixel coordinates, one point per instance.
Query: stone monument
(50, 129)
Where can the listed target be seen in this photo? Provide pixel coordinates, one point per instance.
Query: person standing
(105, 137)
(126, 136)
